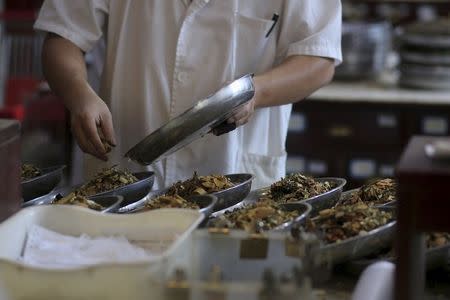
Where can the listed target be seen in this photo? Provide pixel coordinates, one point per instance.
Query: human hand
(91, 124)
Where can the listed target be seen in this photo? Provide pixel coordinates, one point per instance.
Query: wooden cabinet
(357, 140)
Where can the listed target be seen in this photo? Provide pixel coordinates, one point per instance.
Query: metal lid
(193, 123)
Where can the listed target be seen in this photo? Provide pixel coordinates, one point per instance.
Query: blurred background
(394, 83)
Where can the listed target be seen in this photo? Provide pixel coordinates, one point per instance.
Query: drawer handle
(340, 131)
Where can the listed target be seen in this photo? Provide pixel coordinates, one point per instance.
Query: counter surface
(379, 92)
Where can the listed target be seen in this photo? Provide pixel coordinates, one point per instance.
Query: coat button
(182, 77)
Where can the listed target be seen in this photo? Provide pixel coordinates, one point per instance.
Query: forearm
(293, 80)
(65, 70)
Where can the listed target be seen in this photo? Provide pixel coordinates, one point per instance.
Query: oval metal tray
(237, 193)
(359, 246)
(434, 259)
(225, 198)
(350, 192)
(328, 199)
(304, 209)
(318, 203)
(205, 202)
(111, 203)
(130, 193)
(135, 191)
(193, 123)
(42, 184)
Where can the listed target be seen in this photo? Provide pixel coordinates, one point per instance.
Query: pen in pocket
(275, 18)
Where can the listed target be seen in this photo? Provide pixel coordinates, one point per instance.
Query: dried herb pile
(166, 201)
(29, 171)
(376, 192)
(437, 239)
(256, 217)
(343, 222)
(73, 199)
(106, 180)
(199, 185)
(297, 187)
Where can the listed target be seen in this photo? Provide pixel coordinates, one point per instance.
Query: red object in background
(20, 88)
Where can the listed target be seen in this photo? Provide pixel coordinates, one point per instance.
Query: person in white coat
(164, 55)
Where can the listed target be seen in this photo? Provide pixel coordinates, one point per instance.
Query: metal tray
(193, 123)
(434, 258)
(42, 184)
(225, 198)
(206, 203)
(304, 210)
(130, 193)
(135, 191)
(350, 192)
(359, 246)
(111, 203)
(235, 194)
(319, 202)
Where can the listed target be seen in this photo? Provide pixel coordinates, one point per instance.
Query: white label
(386, 121)
(317, 167)
(434, 125)
(386, 171)
(295, 164)
(362, 168)
(297, 122)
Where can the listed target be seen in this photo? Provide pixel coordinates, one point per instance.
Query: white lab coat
(164, 55)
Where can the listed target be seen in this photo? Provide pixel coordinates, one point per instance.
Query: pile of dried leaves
(29, 171)
(256, 217)
(297, 187)
(437, 239)
(200, 185)
(343, 222)
(107, 180)
(166, 201)
(376, 192)
(74, 199)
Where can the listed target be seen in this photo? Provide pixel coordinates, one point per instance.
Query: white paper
(49, 249)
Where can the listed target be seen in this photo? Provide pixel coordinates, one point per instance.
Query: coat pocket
(251, 43)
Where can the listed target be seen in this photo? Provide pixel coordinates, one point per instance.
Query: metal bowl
(130, 193)
(304, 209)
(111, 203)
(231, 196)
(206, 203)
(42, 184)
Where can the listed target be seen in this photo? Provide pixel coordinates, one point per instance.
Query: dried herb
(375, 192)
(166, 201)
(107, 180)
(437, 239)
(74, 199)
(343, 222)
(200, 185)
(29, 171)
(297, 187)
(256, 217)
